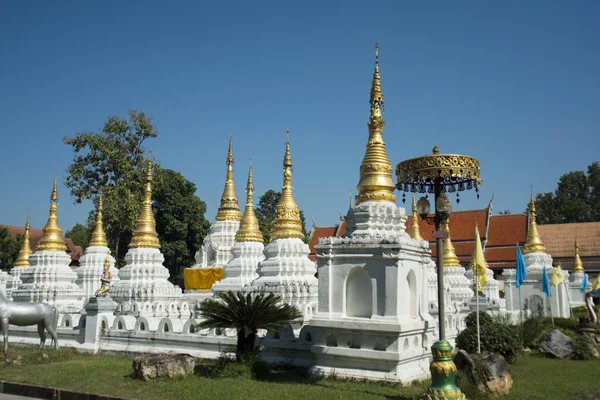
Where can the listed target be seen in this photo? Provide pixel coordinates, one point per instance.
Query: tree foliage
(576, 199)
(247, 314)
(9, 248)
(266, 213)
(80, 235)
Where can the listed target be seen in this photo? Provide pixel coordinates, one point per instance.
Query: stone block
(148, 367)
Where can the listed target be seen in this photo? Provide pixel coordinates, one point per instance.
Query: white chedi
(91, 269)
(217, 245)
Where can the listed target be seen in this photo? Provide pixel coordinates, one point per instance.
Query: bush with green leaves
(495, 338)
(484, 319)
(582, 348)
(535, 330)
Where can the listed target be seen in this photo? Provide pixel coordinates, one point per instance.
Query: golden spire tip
(144, 235)
(229, 209)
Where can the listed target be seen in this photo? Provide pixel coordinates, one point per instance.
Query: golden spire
(533, 244)
(415, 232)
(450, 258)
(52, 237)
(376, 182)
(25, 251)
(577, 264)
(229, 209)
(249, 230)
(145, 234)
(98, 236)
(287, 222)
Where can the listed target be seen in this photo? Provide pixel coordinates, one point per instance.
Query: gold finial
(287, 222)
(249, 230)
(577, 264)
(534, 243)
(436, 150)
(415, 232)
(376, 182)
(450, 258)
(98, 236)
(25, 251)
(229, 209)
(52, 237)
(145, 234)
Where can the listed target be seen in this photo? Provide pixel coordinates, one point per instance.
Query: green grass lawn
(534, 378)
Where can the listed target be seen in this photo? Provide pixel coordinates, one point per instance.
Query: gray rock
(489, 372)
(149, 367)
(558, 345)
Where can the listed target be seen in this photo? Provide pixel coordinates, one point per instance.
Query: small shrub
(582, 312)
(484, 319)
(535, 330)
(495, 338)
(582, 348)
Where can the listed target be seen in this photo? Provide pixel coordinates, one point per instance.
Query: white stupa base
(143, 279)
(243, 267)
(91, 269)
(288, 272)
(576, 296)
(216, 248)
(50, 280)
(458, 284)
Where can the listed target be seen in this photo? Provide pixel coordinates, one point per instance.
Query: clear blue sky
(513, 83)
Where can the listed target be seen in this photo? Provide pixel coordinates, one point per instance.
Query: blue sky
(514, 83)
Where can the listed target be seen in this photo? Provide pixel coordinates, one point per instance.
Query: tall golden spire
(577, 264)
(376, 182)
(450, 258)
(25, 251)
(145, 234)
(52, 237)
(287, 222)
(229, 209)
(249, 230)
(98, 236)
(415, 232)
(534, 243)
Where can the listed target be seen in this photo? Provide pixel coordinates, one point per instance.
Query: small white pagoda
(91, 264)
(50, 279)
(576, 278)
(143, 281)
(247, 251)
(455, 280)
(13, 280)
(373, 320)
(287, 270)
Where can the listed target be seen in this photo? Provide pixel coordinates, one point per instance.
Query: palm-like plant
(247, 314)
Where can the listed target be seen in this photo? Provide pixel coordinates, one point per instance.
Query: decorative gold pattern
(249, 230)
(376, 181)
(577, 263)
(25, 251)
(98, 236)
(450, 259)
(145, 234)
(446, 366)
(287, 220)
(415, 232)
(458, 172)
(229, 209)
(52, 237)
(534, 243)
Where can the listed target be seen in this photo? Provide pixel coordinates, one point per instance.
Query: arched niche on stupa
(359, 294)
(411, 281)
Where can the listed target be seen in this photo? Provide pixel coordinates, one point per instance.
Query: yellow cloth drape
(201, 278)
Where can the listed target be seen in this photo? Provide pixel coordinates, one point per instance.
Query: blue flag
(584, 282)
(546, 284)
(521, 268)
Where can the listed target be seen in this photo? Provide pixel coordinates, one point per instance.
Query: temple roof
(558, 239)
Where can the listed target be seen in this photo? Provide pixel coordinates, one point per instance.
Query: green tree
(9, 248)
(110, 162)
(180, 221)
(80, 235)
(266, 213)
(576, 199)
(504, 212)
(247, 314)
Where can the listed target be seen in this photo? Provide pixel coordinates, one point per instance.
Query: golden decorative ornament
(450, 259)
(376, 181)
(229, 209)
(145, 234)
(98, 236)
(577, 263)
(415, 232)
(25, 251)
(249, 230)
(52, 237)
(457, 172)
(533, 243)
(287, 222)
